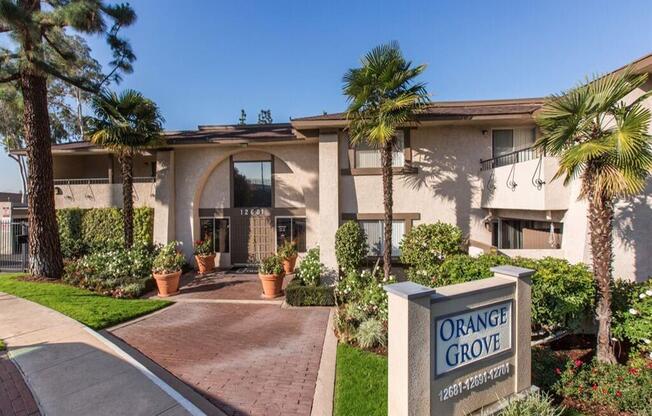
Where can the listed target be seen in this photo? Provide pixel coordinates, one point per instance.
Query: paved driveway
(248, 359)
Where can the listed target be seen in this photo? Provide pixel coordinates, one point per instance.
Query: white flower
(647, 341)
(633, 311)
(648, 292)
(641, 296)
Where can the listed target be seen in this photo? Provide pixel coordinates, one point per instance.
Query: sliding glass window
(375, 241)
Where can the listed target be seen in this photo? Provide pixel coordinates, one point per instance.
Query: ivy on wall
(99, 229)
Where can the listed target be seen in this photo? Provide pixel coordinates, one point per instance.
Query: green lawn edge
(360, 383)
(91, 309)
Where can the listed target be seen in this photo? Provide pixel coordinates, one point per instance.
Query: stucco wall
(447, 187)
(202, 181)
(102, 195)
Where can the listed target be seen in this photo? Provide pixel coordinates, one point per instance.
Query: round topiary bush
(350, 246)
(426, 246)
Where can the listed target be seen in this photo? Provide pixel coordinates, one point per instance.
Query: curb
(322, 402)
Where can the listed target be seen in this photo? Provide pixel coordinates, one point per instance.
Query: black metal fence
(13, 246)
(518, 156)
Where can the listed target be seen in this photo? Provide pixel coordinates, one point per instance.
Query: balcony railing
(100, 181)
(522, 155)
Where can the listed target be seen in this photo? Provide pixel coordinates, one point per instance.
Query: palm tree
(383, 96)
(605, 143)
(125, 124)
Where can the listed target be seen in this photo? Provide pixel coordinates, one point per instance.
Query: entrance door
(252, 238)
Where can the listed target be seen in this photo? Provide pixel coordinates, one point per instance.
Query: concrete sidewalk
(72, 370)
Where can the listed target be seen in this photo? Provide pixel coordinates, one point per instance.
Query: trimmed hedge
(89, 230)
(297, 294)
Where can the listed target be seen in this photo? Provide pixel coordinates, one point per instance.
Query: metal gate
(13, 246)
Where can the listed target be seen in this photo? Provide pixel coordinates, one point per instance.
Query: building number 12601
(473, 382)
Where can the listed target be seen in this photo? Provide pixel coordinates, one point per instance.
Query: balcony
(523, 180)
(101, 193)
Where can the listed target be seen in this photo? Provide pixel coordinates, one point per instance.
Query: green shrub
(203, 248)
(546, 367)
(350, 246)
(633, 314)
(70, 232)
(361, 297)
(533, 405)
(118, 273)
(271, 265)
(168, 259)
(371, 334)
(310, 269)
(299, 294)
(426, 246)
(562, 293)
(624, 388)
(143, 226)
(100, 229)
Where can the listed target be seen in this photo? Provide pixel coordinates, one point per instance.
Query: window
(291, 229)
(502, 142)
(517, 234)
(252, 184)
(369, 157)
(215, 230)
(506, 141)
(374, 231)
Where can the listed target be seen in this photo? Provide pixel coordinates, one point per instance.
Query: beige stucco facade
(315, 177)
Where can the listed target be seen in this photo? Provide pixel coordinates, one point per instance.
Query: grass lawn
(91, 309)
(360, 383)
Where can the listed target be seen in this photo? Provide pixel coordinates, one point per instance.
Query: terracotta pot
(272, 285)
(206, 264)
(289, 263)
(167, 284)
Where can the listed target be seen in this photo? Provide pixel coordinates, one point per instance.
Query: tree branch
(12, 77)
(65, 56)
(77, 82)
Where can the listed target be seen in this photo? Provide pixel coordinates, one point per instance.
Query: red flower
(578, 363)
(619, 394)
(557, 371)
(633, 371)
(594, 387)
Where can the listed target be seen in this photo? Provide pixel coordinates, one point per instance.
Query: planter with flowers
(288, 254)
(166, 269)
(271, 276)
(204, 256)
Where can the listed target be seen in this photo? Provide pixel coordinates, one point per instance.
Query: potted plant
(166, 269)
(288, 254)
(204, 256)
(271, 276)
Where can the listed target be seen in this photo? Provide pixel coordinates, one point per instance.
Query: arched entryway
(251, 202)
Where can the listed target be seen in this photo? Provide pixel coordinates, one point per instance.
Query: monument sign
(459, 349)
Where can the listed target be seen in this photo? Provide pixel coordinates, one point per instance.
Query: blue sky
(202, 61)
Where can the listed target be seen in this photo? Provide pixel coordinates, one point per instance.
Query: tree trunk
(80, 116)
(126, 167)
(388, 202)
(601, 212)
(44, 247)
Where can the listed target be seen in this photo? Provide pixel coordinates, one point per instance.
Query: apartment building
(468, 163)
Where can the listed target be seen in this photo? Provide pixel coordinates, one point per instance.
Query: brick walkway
(222, 285)
(15, 397)
(247, 359)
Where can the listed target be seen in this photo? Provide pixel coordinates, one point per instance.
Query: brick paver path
(15, 397)
(247, 359)
(222, 285)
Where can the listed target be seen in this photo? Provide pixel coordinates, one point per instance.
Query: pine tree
(265, 117)
(243, 117)
(38, 35)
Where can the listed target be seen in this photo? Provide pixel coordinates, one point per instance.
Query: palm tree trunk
(601, 212)
(126, 167)
(388, 202)
(44, 247)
